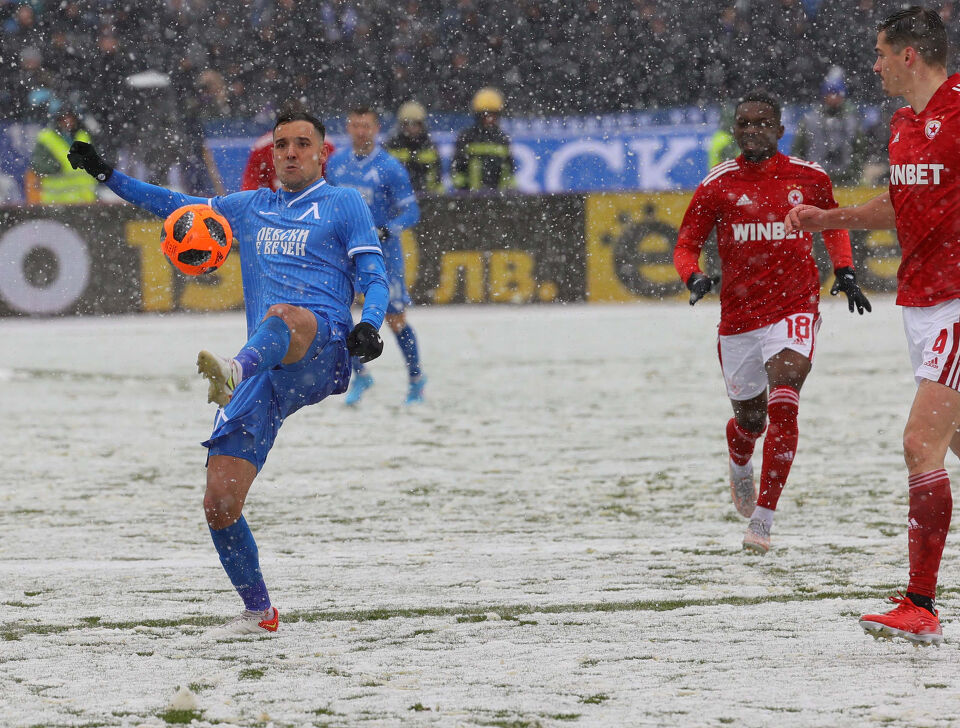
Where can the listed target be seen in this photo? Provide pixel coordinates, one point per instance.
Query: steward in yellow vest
(482, 159)
(55, 182)
(414, 149)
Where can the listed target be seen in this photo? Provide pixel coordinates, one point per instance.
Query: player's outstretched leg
(229, 478)
(740, 443)
(222, 374)
(264, 350)
(915, 618)
(359, 383)
(779, 449)
(907, 620)
(407, 340)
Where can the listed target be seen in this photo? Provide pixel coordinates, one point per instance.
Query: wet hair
(761, 96)
(363, 110)
(920, 29)
(296, 112)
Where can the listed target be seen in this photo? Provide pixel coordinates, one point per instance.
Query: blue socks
(408, 345)
(240, 559)
(266, 348)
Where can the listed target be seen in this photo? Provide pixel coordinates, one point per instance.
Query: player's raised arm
(877, 214)
(158, 200)
(838, 247)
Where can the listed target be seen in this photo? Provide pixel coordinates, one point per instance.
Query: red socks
(780, 445)
(931, 505)
(740, 442)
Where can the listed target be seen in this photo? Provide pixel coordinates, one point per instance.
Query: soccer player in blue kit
(385, 185)
(304, 250)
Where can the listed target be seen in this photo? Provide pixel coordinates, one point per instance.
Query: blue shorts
(395, 263)
(247, 427)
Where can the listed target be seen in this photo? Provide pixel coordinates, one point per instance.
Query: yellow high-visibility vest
(70, 186)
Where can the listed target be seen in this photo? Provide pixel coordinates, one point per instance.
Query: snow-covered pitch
(548, 541)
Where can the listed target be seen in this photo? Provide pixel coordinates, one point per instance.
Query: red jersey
(925, 192)
(260, 171)
(765, 273)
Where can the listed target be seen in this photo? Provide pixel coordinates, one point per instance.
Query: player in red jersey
(923, 203)
(259, 170)
(769, 297)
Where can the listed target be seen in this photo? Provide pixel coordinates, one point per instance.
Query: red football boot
(907, 620)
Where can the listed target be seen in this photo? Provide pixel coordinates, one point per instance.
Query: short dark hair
(363, 109)
(919, 28)
(761, 96)
(295, 112)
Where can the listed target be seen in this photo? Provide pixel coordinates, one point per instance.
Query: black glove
(83, 156)
(700, 286)
(383, 233)
(846, 281)
(364, 342)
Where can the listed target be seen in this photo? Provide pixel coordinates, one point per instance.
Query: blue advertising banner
(641, 151)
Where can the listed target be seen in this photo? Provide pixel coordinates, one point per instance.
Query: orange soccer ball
(196, 239)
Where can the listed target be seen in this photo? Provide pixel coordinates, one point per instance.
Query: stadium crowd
(236, 58)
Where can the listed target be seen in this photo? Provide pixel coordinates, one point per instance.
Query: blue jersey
(297, 248)
(384, 184)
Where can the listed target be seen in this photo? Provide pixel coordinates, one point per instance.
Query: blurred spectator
(482, 159)
(107, 97)
(199, 173)
(830, 135)
(214, 100)
(32, 88)
(145, 129)
(411, 144)
(51, 179)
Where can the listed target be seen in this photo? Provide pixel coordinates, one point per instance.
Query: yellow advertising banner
(630, 239)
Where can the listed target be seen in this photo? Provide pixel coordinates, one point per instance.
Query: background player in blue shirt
(385, 184)
(304, 251)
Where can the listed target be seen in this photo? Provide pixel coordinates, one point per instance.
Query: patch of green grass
(419, 707)
(564, 716)
(197, 687)
(595, 699)
(252, 673)
(324, 711)
(936, 685)
(806, 594)
(184, 717)
(418, 632)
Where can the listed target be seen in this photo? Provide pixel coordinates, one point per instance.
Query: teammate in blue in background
(385, 185)
(304, 250)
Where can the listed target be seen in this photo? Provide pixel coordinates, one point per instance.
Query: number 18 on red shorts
(742, 356)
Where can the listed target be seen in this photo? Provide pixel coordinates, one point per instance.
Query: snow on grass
(548, 541)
